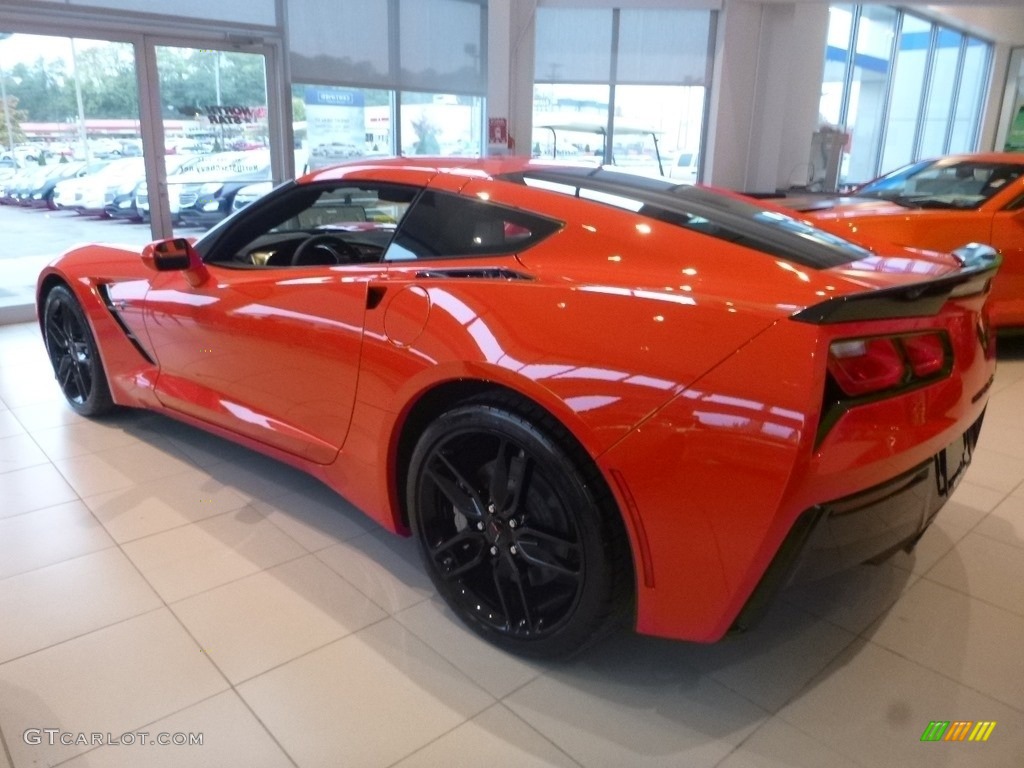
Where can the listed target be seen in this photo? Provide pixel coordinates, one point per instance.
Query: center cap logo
(494, 530)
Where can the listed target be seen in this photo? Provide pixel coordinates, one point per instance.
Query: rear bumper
(867, 526)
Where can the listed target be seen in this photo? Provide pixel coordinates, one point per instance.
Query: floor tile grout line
(412, 631)
(186, 524)
(4, 749)
(80, 635)
(968, 595)
(797, 693)
(774, 718)
(940, 673)
(356, 587)
(996, 539)
(215, 587)
(493, 706)
(309, 651)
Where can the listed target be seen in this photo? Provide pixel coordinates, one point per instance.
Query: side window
(328, 224)
(443, 225)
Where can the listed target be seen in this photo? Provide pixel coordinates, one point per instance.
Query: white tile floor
(156, 579)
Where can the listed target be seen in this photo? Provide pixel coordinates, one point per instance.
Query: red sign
(497, 130)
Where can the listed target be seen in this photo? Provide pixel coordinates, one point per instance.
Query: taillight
(926, 354)
(879, 363)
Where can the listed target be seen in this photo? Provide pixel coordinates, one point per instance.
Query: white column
(769, 61)
(510, 42)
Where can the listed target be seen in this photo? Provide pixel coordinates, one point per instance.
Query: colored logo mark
(958, 730)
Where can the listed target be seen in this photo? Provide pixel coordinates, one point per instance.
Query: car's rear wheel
(74, 355)
(516, 529)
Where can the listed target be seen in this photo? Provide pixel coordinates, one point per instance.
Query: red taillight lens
(926, 353)
(865, 366)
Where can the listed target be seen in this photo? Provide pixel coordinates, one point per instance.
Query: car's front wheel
(516, 529)
(74, 355)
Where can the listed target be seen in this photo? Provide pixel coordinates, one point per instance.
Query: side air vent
(104, 293)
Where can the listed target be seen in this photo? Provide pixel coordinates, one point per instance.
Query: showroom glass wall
(383, 77)
(73, 167)
(902, 87)
(639, 75)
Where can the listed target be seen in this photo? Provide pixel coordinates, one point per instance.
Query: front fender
(86, 271)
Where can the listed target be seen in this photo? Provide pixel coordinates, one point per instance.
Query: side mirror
(176, 255)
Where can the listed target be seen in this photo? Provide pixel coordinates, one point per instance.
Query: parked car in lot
(91, 194)
(591, 396)
(942, 204)
(12, 185)
(684, 167)
(250, 193)
(214, 200)
(43, 193)
(207, 176)
(125, 203)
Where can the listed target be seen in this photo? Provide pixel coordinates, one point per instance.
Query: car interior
(318, 226)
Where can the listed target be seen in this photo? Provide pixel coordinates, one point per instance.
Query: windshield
(948, 183)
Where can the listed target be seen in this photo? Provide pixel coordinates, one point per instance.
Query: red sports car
(942, 204)
(589, 395)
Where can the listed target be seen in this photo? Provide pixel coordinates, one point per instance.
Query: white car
(90, 195)
(187, 181)
(684, 168)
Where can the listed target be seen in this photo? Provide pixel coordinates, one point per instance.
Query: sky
(22, 47)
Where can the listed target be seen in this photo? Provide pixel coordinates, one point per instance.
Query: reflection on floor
(158, 581)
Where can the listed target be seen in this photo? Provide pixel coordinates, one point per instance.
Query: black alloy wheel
(73, 354)
(511, 532)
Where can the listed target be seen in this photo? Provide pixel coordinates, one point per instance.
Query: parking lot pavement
(31, 237)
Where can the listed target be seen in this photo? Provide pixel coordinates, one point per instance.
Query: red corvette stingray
(589, 395)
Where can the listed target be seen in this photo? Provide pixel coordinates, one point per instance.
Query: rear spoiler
(978, 266)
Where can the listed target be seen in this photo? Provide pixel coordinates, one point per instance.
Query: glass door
(70, 148)
(215, 135)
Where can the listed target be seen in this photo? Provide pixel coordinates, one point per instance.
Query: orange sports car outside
(942, 204)
(590, 396)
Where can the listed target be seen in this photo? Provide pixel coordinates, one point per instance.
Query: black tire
(517, 529)
(74, 355)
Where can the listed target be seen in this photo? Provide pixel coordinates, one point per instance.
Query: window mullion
(922, 109)
(955, 99)
(889, 86)
(851, 54)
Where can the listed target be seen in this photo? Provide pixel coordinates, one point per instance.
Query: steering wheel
(324, 249)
